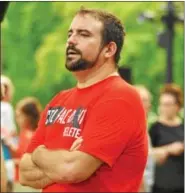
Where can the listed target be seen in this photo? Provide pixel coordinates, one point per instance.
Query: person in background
(167, 135)
(7, 111)
(8, 128)
(147, 181)
(147, 98)
(28, 112)
(3, 168)
(3, 174)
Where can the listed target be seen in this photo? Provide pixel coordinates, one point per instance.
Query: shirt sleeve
(109, 129)
(153, 134)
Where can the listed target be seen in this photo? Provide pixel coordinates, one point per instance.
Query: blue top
(6, 152)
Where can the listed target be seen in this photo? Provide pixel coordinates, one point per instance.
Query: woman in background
(28, 112)
(3, 169)
(167, 135)
(146, 99)
(8, 128)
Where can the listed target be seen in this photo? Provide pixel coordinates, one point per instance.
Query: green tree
(34, 36)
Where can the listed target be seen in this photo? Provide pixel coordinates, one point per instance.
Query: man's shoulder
(62, 95)
(65, 92)
(120, 89)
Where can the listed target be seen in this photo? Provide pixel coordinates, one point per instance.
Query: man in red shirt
(104, 110)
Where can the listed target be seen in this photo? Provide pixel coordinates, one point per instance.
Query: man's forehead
(86, 22)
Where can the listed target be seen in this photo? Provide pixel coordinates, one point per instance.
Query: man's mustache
(72, 49)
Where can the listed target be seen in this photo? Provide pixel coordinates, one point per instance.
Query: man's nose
(72, 40)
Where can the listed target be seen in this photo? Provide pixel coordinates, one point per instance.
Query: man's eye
(69, 35)
(85, 35)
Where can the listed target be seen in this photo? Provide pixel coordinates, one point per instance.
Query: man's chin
(72, 67)
(76, 66)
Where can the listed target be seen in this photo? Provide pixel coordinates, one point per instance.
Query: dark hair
(31, 107)
(175, 91)
(113, 30)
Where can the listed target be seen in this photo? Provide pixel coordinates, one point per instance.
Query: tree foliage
(34, 37)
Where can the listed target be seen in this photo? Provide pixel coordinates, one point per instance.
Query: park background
(34, 34)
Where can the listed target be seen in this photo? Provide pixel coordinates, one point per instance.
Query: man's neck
(92, 76)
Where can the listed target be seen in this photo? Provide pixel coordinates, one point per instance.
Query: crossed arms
(104, 137)
(44, 167)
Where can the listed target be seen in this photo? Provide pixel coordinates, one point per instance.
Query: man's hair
(31, 108)
(113, 30)
(175, 91)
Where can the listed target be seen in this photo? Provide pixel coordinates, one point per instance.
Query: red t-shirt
(110, 117)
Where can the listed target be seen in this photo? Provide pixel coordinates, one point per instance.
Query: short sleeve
(153, 134)
(108, 130)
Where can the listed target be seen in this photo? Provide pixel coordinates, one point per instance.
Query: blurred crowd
(17, 128)
(165, 167)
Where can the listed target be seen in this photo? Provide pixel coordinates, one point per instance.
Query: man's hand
(27, 169)
(76, 144)
(66, 166)
(31, 175)
(42, 148)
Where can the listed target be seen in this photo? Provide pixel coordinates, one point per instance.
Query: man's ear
(110, 49)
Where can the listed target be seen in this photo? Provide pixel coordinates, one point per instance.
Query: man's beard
(79, 64)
